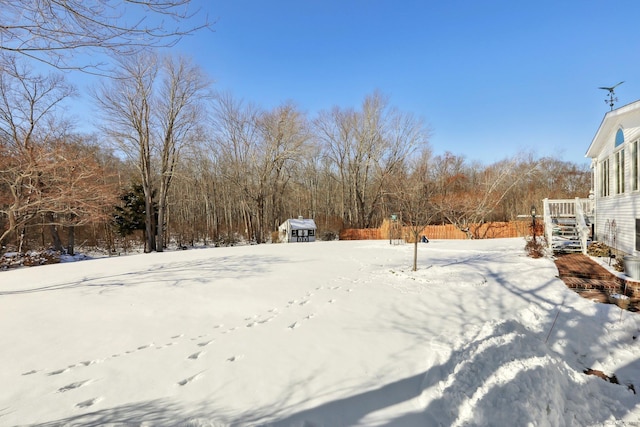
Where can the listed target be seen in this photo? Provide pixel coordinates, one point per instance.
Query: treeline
(174, 162)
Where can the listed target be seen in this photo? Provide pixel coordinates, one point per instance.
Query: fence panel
(489, 230)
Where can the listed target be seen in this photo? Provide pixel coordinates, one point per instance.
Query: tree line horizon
(173, 161)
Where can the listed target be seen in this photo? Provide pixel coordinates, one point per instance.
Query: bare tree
(70, 34)
(284, 134)
(126, 107)
(179, 112)
(413, 190)
(259, 153)
(151, 111)
(467, 195)
(76, 189)
(28, 123)
(235, 139)
(366, 147)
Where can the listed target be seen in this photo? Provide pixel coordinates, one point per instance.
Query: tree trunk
(53, 231)
(160, 234)
(150, 233)
(71, 240)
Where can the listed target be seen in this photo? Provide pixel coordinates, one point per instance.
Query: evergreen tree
(130, 215)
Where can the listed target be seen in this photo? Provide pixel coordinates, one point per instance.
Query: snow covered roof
(301, 224)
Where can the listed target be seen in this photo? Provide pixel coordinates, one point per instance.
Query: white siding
(619, 209)
(623, 209)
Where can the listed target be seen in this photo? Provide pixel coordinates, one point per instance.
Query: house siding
(622, 210)
(622, 204)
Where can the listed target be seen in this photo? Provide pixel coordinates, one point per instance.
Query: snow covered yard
(315, 334)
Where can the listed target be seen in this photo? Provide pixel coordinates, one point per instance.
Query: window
(620, 171)
(604, 178)
(619, 138)
(634, 166)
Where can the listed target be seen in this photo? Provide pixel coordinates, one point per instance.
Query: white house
(615, 162)
(297, 230)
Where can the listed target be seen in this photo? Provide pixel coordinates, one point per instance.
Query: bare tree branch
(57, 32)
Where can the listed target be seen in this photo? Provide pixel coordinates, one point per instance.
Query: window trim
(634, 166)
(619, 161)
(604, 178)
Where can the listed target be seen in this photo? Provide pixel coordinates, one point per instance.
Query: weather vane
(612, 96)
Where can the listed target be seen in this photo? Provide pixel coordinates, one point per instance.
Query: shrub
(328, 235)
(226, 239)
(599, 249)
(29, 259)
(535, 248)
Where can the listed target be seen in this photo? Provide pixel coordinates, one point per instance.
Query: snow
(313, 334)
(300, 224)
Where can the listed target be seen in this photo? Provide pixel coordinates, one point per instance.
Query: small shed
(297, 230)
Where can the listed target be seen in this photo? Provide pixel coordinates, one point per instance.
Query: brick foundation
(582, 274)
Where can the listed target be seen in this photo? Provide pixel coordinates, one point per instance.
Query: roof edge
(610, 115)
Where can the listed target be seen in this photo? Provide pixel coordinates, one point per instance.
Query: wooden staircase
(565, 236)
(568, 224)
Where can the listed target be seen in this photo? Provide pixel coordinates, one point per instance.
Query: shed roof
(301, 224)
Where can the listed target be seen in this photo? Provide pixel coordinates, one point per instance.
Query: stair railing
(548, 221)
(581, 224)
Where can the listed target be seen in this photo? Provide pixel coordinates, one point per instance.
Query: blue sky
(491, 78)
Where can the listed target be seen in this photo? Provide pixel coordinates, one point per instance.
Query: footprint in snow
(205, 343)
(73, 386)
(192, 378)
(196, 356)
(89, 362)
(235, 358)
(58, 372)
(30, 372)
(88, 403)
(294, 325)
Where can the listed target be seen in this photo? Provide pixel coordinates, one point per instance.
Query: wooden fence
(489, 230)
